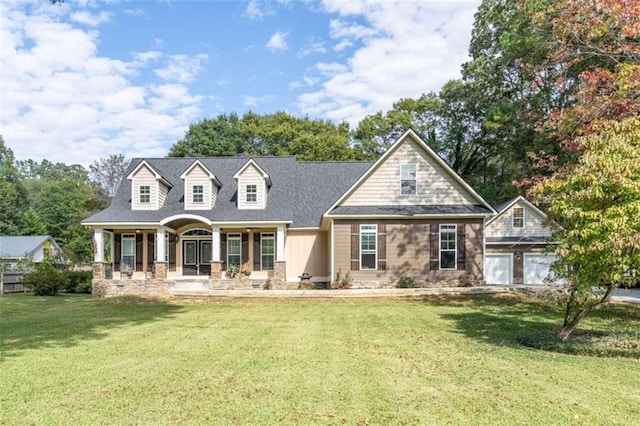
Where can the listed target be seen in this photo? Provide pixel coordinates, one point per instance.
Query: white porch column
(215, 243)
(98, 242)
(160, 254)
(280, 237)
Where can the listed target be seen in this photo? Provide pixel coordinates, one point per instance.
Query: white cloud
(402, 49)
(254, 11)
(63, 101)
(252, 101)
(92, 20)
(317, 47)
(278, 41)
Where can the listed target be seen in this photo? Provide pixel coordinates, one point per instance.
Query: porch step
(179, 286)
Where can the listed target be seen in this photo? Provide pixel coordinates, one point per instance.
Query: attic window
(408, 179)
(198, 193)
(252, 193)
(145, 194)
(518, 217)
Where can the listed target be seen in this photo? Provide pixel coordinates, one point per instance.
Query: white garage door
(498, 268)
(537, 267)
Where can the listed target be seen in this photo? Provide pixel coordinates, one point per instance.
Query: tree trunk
(569, 326)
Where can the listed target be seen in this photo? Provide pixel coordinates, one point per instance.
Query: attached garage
(537, 267)
(498, 269)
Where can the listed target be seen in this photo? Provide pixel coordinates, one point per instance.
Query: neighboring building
(189, 220)
(15, 249)
(516, 244)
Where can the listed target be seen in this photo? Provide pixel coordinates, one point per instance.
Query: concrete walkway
(621, 295)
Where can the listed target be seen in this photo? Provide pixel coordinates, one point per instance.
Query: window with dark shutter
(462, 261)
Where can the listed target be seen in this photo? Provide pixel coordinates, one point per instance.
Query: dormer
(253, 183)
(148, 188)
(200, 187)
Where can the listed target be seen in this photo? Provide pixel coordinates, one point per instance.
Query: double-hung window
(518, 217)
(408, 179)
(448, 246)
(252, 193)
(267, 251)
(128, 252)
(368, 246)
(198, 193)
(145, 194)
(234, 250)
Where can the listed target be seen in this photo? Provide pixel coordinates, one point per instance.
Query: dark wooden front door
(196, 257)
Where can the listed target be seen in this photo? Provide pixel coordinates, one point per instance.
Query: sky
(85, 79)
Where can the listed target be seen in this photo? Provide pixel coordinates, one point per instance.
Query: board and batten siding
(198, 176)
(306, 251)
(502, 226)
(407, 250)
(434, 184)
(143, 177)
(251, 176)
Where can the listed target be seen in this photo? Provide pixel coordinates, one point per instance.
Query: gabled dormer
(253, 185)
(200, 187)
(148, 188)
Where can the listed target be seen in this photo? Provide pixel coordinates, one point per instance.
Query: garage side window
(448, 246)
(518, 217)
(368, 246)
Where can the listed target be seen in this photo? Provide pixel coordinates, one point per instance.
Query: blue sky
(91, 78)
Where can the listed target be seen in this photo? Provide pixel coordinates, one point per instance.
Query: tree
(33, 225)
(108, 172)
(13, 200)
(597, 203)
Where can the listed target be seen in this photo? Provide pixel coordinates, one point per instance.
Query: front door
(196, 257)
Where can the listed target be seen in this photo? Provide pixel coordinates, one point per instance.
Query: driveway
(627, 295)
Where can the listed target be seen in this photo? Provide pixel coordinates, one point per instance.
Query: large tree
(597, 203)
(13, 199)
(108, 172)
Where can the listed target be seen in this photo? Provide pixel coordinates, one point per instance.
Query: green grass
(78, 360)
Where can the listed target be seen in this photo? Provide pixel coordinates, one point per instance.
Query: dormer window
(252, 193)
(408, 181)
(198, 193)
(518, 217)
(145, 194)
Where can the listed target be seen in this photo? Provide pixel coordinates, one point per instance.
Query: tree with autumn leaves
(596, 197)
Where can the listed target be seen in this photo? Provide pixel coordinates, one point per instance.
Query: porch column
(280, 267)
(216, 262)
(98, 254)
(159, 263)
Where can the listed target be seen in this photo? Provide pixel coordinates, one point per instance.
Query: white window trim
(148, 194)
(375, 251)
(513, 217)
(246, 193)
(193, 194)
(267, 236)
(455, 249)
(128, 237)
(415, 165)
(235, 237)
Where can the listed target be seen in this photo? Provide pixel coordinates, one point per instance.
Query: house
(192, 221)
(15, 249)
(517, 239)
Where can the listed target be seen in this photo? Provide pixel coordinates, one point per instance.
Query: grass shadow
(29, 322)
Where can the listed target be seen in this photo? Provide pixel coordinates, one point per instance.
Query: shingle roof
(300, 192)
(409, 210)
(19, 246)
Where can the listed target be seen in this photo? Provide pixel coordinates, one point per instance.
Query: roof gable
(449, 189)
(249, 163)
(198, 163)
(157, 175)
(534, 226)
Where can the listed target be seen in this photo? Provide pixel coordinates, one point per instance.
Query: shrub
(342, 282)
(406, 281)
(468, 280)
(267, 285)
(46, 280)
(78, 281)
(306, 285)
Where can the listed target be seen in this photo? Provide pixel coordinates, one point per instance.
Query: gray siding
(502, 226)
(251, 176)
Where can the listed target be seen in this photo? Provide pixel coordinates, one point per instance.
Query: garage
(537, 267)
(498, 268)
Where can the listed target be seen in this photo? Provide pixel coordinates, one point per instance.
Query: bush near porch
(74, 359)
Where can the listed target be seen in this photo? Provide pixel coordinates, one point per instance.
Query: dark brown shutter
(139, 252)
(460, 244)
(256, 251)
(245, 248)
(117, 250)
(223, 248)
(434, 250)
(355, 247)
(173, 246)
(382, 247)
(151, 251)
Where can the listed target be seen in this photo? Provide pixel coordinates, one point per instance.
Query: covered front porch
(190, 248)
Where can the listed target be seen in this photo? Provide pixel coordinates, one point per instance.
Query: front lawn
(78, 360)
